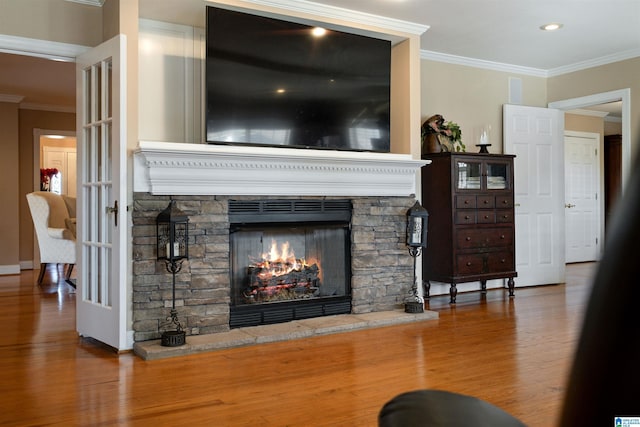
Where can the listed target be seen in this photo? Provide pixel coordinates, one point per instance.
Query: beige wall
(28, 121)
(605, 78)
(581, 123)
(473, 97)
(53, 20)
(9, 172)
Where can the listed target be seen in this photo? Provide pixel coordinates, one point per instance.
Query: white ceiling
(486, 32)
(498, 31)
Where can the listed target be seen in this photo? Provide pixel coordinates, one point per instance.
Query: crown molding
(528, 71)
(596, 62)
(334, 12)
(98, 3)
(41, 48)
(591, 113)
(163, 168)
(11, 99)
(45, 107)
(480, 63)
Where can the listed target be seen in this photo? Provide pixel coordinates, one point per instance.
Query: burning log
(302, 282)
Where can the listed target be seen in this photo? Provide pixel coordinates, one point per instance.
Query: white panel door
(535, 136)
(64, 159)
(102, 244)
(72, 175)
(582, 209)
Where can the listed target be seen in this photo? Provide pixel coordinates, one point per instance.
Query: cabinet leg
(483, 286)
(512, 286)
(453, 291)
(426, 285)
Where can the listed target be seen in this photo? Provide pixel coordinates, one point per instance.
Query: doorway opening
(623, 96)
(54, 149)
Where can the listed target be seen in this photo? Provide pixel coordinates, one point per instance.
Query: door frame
(623, 95)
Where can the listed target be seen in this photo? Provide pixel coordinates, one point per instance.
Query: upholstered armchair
(51, 220)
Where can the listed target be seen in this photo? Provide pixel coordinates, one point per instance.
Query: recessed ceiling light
(551, 27)
(53, 136)
(318, 31)
(280, 90)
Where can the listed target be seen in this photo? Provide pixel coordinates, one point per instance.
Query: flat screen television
(270, 82)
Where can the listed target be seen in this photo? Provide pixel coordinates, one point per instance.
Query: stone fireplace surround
(202, 178)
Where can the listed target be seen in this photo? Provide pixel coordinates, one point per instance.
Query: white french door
(535, 135)
(102, 221)
(582, 206)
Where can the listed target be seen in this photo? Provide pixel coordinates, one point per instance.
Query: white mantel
(167, 168)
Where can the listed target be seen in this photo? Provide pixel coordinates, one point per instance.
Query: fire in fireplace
(290, 259)
(280, 276)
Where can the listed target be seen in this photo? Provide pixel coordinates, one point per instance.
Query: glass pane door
(469, 175)
(497, 174)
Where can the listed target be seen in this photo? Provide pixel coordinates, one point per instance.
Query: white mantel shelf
(168, 168)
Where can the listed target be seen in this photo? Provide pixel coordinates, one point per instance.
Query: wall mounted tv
(271, 82)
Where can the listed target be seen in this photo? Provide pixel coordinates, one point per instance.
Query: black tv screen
(271, 82)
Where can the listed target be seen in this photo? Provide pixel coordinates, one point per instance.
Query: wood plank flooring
(514, 353)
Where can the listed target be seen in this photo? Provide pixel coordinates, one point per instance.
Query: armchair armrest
(60, 233)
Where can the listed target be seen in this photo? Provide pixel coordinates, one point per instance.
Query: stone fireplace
(363, 267)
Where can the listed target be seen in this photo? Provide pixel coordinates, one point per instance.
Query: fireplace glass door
(282, 273)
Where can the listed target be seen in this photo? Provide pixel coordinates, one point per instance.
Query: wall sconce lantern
(417, 224)
(172, 231)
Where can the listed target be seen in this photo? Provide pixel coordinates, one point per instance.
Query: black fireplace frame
(282, 212)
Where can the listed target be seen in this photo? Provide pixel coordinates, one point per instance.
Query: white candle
(484, 137)
(176, 249)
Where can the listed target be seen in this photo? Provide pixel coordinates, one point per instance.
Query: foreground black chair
(603, 382)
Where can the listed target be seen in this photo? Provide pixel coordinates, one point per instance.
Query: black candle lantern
(172, 231)
(417, 222)
(417, 219)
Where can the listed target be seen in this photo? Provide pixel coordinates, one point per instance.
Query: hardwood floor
(514, 353)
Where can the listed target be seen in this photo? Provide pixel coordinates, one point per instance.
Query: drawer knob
(505, 216)
(468, 263)
(466, 202)
(467, 217)
(503, 261)
(486, 202)
(486, 217)
(502, 236)
(504, 202)
(468, 239)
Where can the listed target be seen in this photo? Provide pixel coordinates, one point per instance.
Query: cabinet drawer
(465, 202)
(470, 264)
(486, 217)
(492, 262)
(486, 202)
(500, 261)
(484, 238)
(465, 217)
(505, 215)
(504, 202)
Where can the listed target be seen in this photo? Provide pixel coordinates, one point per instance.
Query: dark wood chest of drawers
(471, 219)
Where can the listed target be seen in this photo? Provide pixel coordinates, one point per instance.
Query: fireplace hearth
(290, 259)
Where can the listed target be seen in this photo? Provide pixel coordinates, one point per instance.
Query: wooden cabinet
(471, 219)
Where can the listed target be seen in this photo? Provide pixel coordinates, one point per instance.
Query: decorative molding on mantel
(167, 168)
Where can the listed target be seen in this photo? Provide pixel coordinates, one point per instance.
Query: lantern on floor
(417, 221)
(172, 231)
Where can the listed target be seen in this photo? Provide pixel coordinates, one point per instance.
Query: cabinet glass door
(497, 174)
(469, 175)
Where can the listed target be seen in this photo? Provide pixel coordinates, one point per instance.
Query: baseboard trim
(26, 265)
(6, 270)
